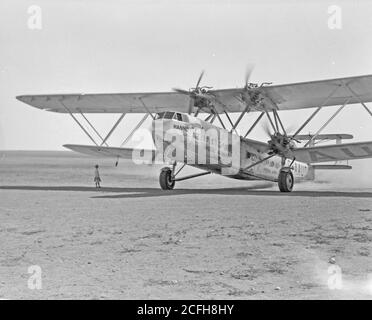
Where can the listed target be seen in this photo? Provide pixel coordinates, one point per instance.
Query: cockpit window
(159, 115)
(169, 115)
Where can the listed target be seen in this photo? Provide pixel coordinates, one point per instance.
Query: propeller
(196, 94)
(248, 73)
(200, 78)
(279, 143)
(247, 96)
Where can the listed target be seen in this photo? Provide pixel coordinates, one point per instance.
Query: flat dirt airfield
(210, 238)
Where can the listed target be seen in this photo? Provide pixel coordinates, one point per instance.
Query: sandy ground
(210, 238)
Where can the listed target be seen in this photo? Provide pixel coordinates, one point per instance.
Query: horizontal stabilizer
(336, 152)
(332, 167)
(334, 136)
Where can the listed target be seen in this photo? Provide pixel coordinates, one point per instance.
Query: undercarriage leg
(167, 177)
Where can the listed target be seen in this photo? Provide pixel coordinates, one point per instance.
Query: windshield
(159, 115)
(171, 115)
(164, 115)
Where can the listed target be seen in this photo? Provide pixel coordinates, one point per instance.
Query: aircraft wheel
(285, 181)
(165, 179)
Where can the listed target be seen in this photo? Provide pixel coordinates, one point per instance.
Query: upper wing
(109, 102)
(345, 151)
(281, 97)
(298, 95)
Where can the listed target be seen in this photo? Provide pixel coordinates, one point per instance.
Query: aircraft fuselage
(203, 145)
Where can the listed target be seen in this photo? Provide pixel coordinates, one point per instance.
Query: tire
(285, 181)
(165, 179)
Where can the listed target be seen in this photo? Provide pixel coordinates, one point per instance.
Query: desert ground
(210, 238)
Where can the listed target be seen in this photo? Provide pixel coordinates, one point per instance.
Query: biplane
(191, 121)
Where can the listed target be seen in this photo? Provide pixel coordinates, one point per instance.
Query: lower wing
(347, 151)
(113, 152)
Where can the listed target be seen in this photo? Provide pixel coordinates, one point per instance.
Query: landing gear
(168, 176)
(285, 180)
(166, 179)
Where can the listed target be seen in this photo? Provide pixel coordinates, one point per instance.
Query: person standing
(97, 178)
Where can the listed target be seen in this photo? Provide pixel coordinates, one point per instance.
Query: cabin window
(178, 117)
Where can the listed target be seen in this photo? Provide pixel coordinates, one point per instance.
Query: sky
(91, 46)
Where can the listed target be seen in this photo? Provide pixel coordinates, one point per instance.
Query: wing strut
(258, 162)
(360, 101)
(326, 123)
(314, 113)
(277, 118)
(135, 129)
(231, 123)
(78, 122)
(94, 129)
(208, 117)
(111, 131)
(147, 109)
(271, 122)
(254, 124)
(353, 95)
(240, 118)
(219, 118)
(306, 122)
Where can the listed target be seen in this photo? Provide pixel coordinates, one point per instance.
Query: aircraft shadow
(128, 193)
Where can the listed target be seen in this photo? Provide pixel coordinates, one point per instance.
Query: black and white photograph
(184, 150)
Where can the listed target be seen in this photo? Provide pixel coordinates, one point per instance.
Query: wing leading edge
(108, 102)
(265, 98)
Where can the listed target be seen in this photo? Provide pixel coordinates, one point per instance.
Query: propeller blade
(195, 93)
(191, 105)
(181, 91)
(291, 136)
(200, 78)
(289, 129)
(266, 129)
(248, 73)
